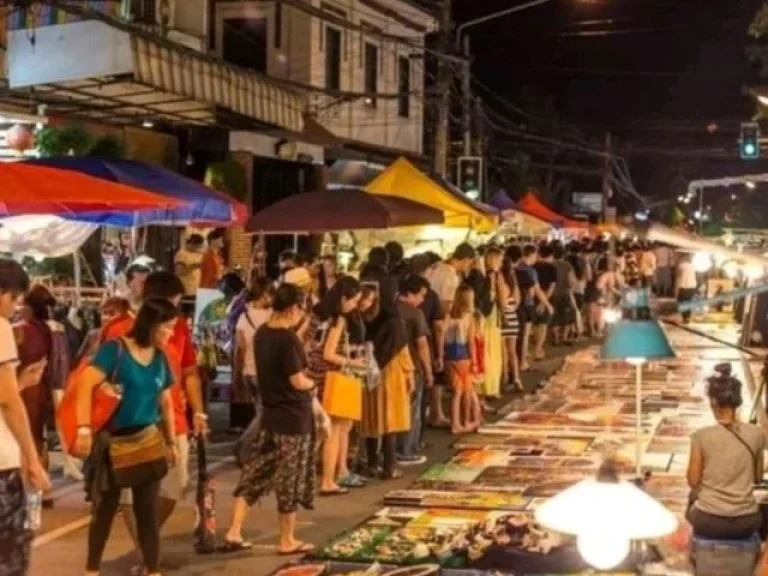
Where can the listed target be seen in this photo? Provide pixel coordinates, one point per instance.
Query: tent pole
(78, 273)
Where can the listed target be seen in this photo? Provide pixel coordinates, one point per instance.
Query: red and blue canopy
(201, 204)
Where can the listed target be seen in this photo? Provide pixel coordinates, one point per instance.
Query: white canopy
(43, 235)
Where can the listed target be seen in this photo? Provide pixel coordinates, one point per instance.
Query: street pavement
(60, 546)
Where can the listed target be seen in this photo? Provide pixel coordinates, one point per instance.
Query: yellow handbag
(343, 396)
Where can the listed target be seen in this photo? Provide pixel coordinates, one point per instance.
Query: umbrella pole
(295, 243)
(78, 273)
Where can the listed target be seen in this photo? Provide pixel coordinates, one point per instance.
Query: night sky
(656, 73)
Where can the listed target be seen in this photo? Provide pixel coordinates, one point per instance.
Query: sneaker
(415, 460)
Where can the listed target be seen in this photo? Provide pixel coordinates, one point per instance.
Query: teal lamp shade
(644, 339)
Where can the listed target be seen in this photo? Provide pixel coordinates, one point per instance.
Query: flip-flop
(303, 548)
(351, 481)
(340, 491)
(229, 546)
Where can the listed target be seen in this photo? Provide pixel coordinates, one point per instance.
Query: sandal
(340, 491)
(301, 548)
(351, 481)
(392, 475)
(230, 546)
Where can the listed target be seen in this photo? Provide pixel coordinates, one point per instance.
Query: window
(245, 42)
(332, 58)
(403, 87)
(371, 59)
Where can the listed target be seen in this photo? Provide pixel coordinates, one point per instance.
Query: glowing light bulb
(610, 316)
(731, 269)
(602, 549)
(702, 262)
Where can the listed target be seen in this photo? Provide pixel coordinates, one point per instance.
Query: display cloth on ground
(475, 511)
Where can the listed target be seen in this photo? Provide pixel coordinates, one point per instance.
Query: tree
(75, 140)
(229, 177)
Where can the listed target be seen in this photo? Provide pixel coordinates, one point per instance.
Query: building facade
(368, 78)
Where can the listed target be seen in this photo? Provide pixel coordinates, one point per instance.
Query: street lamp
(466, 117)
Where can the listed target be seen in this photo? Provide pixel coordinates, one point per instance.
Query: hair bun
(724, 369)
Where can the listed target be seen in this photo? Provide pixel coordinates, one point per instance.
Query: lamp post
(466, 96)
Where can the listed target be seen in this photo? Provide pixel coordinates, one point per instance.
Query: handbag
(138, 458)
(104, 403)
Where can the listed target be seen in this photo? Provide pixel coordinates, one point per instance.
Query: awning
(42, 235)
(404, 180)
(515, 219)
(171, 83)
(533, 206)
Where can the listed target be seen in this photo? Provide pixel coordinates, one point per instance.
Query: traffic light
(470, 176)
(749, 143)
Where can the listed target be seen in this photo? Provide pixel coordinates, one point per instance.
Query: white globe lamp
(602, 549)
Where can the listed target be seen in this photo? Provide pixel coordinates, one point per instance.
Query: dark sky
(678, 60)
(656, 73)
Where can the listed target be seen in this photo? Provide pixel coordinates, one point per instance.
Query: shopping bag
(105, 401)
(343, 396)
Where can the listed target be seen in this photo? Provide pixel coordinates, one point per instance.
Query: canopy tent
(517, 219)
(29, 189)
(202, 204)
(402, 179)
(533, 206)
(44, 236)
(340, 210)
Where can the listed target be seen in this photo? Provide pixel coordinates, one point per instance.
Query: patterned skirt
(281, 463)
(15, 540)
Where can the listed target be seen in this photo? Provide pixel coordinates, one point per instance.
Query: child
(478, 374)
(461, 359)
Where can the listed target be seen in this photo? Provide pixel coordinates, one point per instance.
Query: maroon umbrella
(337, 210)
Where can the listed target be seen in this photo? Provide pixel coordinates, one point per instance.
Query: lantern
(19, 138)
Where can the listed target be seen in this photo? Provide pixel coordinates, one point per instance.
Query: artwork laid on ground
(474, 511)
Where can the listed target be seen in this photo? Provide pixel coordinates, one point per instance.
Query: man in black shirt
(547, 275)
(433, 314)
(412, 292)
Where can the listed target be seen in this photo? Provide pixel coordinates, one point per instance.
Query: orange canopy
(533, 206)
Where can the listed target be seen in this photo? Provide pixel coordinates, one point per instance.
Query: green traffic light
(749, 149)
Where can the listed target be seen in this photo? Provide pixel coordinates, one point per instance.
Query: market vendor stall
(402, 179)
(340, 210)
(200, 204)
(535, 207)
(516, 221)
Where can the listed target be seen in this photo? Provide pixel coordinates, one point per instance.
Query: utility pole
(444, 92)
(606, 179)
(467, 96)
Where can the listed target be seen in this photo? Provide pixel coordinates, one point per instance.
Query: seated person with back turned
(726, 461)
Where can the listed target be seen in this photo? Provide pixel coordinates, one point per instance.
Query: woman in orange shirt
(212, 266)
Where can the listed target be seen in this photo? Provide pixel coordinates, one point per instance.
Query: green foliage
(70, 139)
(107, 147)
(759, 26)
(74, 140)
(228, 177)
(674, 217)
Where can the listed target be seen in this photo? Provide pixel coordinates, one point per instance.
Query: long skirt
(281, 463)
(493, 355)
(387, 408)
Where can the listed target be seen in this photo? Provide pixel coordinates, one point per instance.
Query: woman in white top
(257, 312)
(686, 283)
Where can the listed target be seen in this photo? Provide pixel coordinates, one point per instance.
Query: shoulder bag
(139, 457)
(343, 392)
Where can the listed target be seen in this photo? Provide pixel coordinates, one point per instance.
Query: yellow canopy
(404, 180)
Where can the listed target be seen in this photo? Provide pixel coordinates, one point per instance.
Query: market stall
(516, 222)
(530, 204)
(402, 179)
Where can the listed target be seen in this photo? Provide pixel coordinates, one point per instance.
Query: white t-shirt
(686, 276)
(444, 280)
(10, 454)
(190, 279)
(249, 322)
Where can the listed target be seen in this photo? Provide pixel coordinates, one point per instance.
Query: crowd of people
(343, 373)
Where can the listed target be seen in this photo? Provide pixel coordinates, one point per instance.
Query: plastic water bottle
(34, 510)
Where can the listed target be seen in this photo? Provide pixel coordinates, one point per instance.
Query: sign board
(587, 202)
